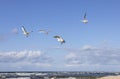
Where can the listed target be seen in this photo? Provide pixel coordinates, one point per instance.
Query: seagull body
(60, 39)
(85, 21)
(25, 31)
(44, 31)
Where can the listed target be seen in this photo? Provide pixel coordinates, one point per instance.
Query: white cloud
(23, 58)
(89, 55)
(71, 55)
(88, 47)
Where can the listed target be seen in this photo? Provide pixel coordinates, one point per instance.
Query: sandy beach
(110, 77)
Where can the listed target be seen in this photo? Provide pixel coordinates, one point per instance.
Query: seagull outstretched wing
(44, 31)
(85, 16)
(24, 30)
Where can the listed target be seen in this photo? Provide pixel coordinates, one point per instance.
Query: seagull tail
(62, 42)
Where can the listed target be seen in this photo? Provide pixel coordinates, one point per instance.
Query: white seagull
(44, 31)
(60, 39)
(85, 21)
(25, 31)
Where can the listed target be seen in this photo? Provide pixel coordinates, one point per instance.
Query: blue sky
(89, 47)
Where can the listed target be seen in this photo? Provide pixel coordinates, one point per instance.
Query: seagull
(44, 31)
(85, 21)
(25, 31)
(60, 39)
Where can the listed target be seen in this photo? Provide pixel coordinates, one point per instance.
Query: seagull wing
(85, 16)
(43, 31)
(24, 30)
(57, 37)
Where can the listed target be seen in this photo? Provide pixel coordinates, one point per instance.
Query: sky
(94, 46)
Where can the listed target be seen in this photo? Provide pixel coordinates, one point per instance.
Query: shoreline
(110, 77)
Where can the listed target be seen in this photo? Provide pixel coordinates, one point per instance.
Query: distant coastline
(61, 74)
(110, 77)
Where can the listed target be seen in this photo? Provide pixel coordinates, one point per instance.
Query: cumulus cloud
(87, 47)
(26, 58)
(90, 55)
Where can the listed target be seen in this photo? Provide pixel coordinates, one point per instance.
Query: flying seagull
(44, 31)
(85, 21)
(25, 31)
(60, 39)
